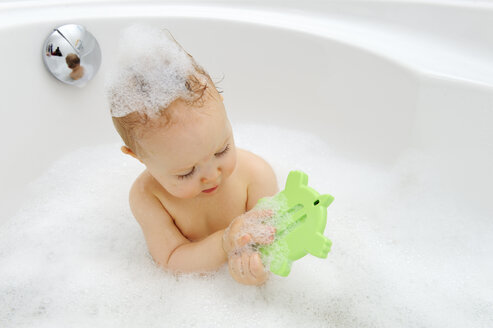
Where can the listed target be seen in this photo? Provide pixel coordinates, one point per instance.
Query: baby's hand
(245, 265)
(247, 268)
(248, 228)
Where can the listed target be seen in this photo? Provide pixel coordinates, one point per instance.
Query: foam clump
(151, 71)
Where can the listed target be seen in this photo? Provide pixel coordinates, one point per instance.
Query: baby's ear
(128, 151)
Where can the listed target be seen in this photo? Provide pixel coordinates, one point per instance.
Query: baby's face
(194, 154)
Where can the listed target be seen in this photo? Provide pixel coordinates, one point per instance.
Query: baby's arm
(168, 247)
(263, 181)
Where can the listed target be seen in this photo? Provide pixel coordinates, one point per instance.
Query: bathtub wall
(367, 77)
(454, 127)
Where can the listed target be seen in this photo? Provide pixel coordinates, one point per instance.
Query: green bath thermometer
(300, 225)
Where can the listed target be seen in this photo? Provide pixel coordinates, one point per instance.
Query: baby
(194, 200)
(73, 62)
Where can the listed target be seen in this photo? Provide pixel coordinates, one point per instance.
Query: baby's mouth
(211, 189)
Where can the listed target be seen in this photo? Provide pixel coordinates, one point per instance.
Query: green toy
(300, 224)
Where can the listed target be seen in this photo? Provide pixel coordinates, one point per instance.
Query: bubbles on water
(75, 256)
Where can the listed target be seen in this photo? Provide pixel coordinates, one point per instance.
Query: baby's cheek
(229, 166)
(185, 190)
(192, 190)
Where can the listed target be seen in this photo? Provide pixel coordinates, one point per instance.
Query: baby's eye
(223, 152)
(188, 175)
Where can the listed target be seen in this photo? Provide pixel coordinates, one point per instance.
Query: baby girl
(195, 197)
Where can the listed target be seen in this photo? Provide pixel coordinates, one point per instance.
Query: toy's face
(304, 202)
(311, 203)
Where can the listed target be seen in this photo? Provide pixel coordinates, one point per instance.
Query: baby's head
(169, 114)
(72, 60)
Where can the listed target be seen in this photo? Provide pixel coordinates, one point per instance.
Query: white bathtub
(376, 80)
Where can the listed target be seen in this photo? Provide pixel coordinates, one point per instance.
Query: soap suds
(403, 253)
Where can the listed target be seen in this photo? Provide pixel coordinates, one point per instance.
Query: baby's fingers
(257, 269)
(263, 234)
(234, 264)
(264, 213)
(239, 268)
(243, 240)
(249, 263)
(247, 268)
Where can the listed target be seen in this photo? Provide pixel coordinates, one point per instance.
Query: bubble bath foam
(74, 255)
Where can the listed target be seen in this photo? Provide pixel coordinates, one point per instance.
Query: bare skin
(77, 72)
(186, 228)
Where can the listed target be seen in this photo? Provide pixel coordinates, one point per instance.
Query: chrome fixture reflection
(72, 54)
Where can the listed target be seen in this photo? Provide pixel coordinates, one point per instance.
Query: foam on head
(151, 71)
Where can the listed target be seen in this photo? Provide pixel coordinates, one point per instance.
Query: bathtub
(379, 82)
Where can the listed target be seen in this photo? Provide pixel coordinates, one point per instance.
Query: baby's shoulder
(254, 167)
(251, 156)
(145, 184)
(260, 177)
(250, 162)
(247, 161)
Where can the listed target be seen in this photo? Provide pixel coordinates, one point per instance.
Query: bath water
(404, 254)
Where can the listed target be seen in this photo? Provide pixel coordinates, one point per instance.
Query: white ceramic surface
(373, 78)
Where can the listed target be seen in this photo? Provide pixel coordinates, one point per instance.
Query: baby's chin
(186, 195)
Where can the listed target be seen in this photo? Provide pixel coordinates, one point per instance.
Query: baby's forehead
(188, 127)
(188, 139)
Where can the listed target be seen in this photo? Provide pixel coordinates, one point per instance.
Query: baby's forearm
(201, 256)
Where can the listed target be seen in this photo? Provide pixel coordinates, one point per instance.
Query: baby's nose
(211, 175)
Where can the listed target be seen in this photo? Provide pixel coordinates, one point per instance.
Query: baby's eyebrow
(183, 170)
(191, 166)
